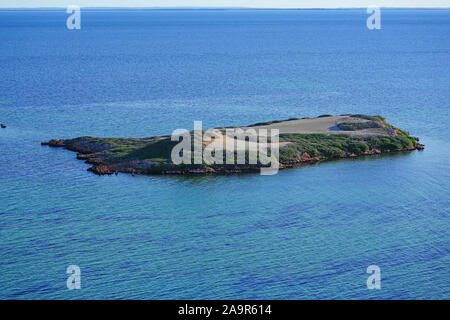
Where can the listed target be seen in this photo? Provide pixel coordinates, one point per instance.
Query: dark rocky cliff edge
(302, 141)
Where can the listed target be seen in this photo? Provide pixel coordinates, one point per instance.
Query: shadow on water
(195, 179)
(397, 154)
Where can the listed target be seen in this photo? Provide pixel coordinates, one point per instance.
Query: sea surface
(307, 233)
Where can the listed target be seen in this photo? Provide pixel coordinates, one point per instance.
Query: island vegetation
(301, 141)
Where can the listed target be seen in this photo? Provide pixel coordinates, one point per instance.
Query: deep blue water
(306, 233)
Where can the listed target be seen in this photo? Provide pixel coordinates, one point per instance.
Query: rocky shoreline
(103, 165)
(105, 155)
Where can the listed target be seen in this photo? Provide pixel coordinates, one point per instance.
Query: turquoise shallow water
(303, 234)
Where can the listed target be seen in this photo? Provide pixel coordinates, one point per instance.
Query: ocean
(306, 233)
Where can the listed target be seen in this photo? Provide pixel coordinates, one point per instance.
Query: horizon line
(219, 8)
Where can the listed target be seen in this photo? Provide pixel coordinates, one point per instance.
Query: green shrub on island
(357, 147)
(338, 146)
(367, 117)
(319, 145)
(393, 143)
(353, 126)
(153, 154)
(324, 116)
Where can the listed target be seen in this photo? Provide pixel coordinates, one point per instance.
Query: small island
(302, 141)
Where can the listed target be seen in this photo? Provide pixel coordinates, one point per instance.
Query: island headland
(302, 141)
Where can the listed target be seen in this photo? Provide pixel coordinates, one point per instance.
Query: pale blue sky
(225, 3)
